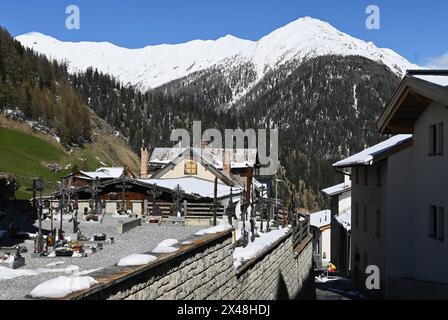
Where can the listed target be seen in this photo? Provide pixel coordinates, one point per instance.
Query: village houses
(398, 193)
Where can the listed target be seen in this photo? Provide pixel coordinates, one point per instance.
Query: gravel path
(139, 240)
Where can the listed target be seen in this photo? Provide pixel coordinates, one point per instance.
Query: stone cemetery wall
(203, 269)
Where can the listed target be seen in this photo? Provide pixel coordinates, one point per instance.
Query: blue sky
(418, 30)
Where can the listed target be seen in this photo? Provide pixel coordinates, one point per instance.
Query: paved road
(336, 288)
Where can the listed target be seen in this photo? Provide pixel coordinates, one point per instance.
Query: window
(436, 141)
(432, 140)
(432, 223)
(366, 176)
(440, 223)
(191, 167)
(356, 214)
(378, 223)
(440, 138)
(436, 223)
(365, 218)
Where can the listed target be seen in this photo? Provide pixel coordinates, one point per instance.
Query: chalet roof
(194, 186)
(320, 219)
(165, 155)
(377, 152)
(105, 173)
(417, 90)
(239, 158)
(345, 219)
(338, 189)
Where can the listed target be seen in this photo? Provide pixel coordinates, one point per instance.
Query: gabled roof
(338, 189)
(376, 153)
(417, 90)
(239, 158)
(320, 219)
(345, 219)
(165, 155)
(210, 158)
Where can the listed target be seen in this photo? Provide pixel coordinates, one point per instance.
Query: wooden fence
(300, 229)
(193, 210)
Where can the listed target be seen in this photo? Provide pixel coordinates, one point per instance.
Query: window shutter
(440, 223)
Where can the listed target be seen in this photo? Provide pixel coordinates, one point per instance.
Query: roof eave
(409, 84)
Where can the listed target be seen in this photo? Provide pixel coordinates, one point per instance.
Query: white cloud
(440, 62)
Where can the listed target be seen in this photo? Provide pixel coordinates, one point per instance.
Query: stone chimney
(226, 162)
(144, 163)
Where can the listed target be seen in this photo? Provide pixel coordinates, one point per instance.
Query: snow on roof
(441, 80)
(105, 173)
(337, 189)
(165, 155)
(239, 158)
(193, 185)
(345, 219)
(367, 156)
(320, 219)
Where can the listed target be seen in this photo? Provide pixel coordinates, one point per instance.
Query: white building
(320, 227)
(340, 199)
(399, 198)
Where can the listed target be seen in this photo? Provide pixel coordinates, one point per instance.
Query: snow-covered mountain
(153, 66)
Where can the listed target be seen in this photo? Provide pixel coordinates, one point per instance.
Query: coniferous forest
(39, 90)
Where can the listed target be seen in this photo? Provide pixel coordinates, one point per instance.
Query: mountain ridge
(154, 66)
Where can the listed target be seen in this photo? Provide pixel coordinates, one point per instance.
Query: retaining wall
(203, 269)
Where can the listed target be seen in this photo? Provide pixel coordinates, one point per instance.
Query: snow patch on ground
(6, 273)
(54, 264)
(136, 260)
(265, 240)
(62, 286)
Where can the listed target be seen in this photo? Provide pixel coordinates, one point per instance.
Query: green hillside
(27, 154)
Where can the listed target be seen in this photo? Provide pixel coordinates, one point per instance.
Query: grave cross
(230, 210)
(38, 185)
(154, 193)
(124, 194)
(95, 190)
(244, 233)
(178, 194)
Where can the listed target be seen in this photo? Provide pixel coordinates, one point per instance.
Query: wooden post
(185, 208)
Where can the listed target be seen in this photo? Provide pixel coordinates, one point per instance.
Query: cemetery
(75, 238)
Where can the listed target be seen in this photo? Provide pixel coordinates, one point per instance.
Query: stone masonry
(204, 270)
